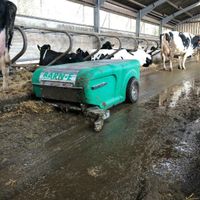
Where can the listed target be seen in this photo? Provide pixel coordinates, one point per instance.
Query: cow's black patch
(167, 37)
(107, 45)
(185, 40)
(47, 56)
(7, 18)
(2, 14)
(148, 62)
(171, 35)
(195, 42)
(11, 10)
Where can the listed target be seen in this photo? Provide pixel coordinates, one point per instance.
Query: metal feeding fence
(27, 51)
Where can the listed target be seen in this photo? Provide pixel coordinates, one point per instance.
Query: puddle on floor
(170, 97)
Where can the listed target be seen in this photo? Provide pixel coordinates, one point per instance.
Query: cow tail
(11, 10)
(161, 36)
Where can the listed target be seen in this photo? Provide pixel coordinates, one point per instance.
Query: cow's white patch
(2, 42)
(123, 54)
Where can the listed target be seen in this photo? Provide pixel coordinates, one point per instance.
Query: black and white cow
(7, 18)
(107, 45)
(144, 58)
(47, 56)
(174, 43)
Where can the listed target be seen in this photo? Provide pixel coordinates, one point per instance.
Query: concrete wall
(58, 41)
(31, 13)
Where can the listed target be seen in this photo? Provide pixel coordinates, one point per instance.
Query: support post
(97, 8)
(144, 11)
(138, 23)
(160, 28)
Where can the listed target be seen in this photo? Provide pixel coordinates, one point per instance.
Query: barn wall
(192, 26)
(30, 13)
(59, 42)
(40, 13)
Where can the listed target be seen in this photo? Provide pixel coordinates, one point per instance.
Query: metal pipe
(23, 50)
(142, 39)
(132, 38)
(155, 41)
(66, 52)
(56, 31)
(90, 34)
(117, 50)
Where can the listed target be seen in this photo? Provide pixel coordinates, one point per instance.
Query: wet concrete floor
(145, 151)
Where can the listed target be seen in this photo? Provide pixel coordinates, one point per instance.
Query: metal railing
(24, 47)
(71, 34)
(74, 33)
(50, 30)
(115, 37)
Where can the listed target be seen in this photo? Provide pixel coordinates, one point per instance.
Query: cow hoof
(4, 88)
(179, 67)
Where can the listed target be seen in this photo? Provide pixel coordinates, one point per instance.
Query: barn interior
(149, 150)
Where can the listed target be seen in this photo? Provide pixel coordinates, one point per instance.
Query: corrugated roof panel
(165, 8)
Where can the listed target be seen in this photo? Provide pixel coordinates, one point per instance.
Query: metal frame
(178, 8)
(184, 10)
(191, 18)
(56, 31)
(144, 12)
(24, 47)
(70, 34)
(132, 38)
(97, 8)
(89, 34)
(112, 36)
(139, 39)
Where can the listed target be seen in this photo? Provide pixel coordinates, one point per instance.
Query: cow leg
(5, 74)
(198, 55)
(184, 59)
(4, 60)
(7, 57)
(180, 63)
(164, 59)
(170, 65)
(1, 64)
(171, 56)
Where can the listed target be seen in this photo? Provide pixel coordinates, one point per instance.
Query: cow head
(43, 50)
(44, 47)
(80, 54)
(107, 45)
(144, 58)
(148, 62)
(196, 41)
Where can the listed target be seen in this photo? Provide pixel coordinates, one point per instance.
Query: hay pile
(152, 68)
(26, 107)
(34, 107)
(19, 85)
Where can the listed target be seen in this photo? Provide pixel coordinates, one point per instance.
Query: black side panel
(62, 94)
